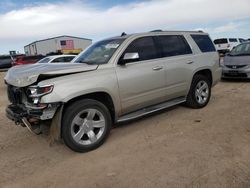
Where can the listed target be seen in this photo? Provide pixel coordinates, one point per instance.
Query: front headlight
(36, 92)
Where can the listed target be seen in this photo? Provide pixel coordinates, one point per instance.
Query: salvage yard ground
(180, 147)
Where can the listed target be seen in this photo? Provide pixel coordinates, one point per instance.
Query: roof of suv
(155, 32)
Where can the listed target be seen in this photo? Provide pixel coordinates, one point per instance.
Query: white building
(64, 44)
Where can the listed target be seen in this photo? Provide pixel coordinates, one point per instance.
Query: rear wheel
(200, 92)
(86, 124)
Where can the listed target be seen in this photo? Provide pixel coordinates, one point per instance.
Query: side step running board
(151, 109)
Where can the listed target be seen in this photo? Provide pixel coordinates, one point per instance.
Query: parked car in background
(236, 64)
(225, 45)
(23, 60)
(114, 80)
(5, 61)
(57, 59)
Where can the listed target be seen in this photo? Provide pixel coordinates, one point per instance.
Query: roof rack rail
(157, 30)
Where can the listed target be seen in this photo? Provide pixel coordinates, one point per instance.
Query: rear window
(220, 41)
(233, 40)
(173, 45)
(204, 43)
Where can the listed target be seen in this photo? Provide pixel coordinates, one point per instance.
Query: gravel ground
(179, 147)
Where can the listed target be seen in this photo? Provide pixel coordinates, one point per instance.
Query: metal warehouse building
(63, 44)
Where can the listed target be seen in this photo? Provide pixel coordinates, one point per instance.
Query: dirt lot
(175, 148)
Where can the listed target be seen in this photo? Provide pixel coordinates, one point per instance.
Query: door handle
(190, 62)
(157, 68)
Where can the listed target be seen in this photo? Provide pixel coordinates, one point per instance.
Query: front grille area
(235, 66)
(14, 94)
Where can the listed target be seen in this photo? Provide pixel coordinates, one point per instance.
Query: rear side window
(220, 41)
(145, 47)
(173, 45)
(233, 40)
(204, 43)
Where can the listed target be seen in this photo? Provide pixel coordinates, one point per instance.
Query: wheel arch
(100, 96)
(103, 97)
(205, 72)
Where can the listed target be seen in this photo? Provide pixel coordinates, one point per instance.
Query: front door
(142, 82)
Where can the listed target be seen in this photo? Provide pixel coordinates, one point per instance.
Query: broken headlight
(36, 92)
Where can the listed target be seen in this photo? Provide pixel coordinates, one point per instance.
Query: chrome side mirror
(129, 57)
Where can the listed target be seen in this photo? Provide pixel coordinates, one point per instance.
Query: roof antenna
(123, 34)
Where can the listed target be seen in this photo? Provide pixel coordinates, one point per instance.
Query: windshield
(242, 49)
(44, 60)
(100, 52)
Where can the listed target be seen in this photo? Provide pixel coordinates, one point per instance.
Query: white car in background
(57, 59)
(225, 45)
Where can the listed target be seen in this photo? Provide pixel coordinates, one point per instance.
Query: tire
(86, 125)
(198, 97)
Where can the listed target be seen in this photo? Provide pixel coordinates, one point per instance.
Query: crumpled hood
(24, 75)
(237, 60)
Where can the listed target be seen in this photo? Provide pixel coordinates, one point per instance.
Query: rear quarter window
(204, 43)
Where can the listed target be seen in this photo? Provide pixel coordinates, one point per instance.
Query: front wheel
(199, 93)
(86, 124)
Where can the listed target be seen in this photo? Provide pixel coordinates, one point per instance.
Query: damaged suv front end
(27, 107)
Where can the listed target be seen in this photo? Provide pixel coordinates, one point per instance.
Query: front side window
(173, 45)
(204, 43)
(145, 47)
(100, 52)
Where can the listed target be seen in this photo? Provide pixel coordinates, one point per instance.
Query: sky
(25, 21)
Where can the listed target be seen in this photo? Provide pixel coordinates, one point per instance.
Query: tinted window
(173, 45)
(233, 40)
(58, 60)
(204, 43)
(220, 41)
(145, 47)
(68, 58)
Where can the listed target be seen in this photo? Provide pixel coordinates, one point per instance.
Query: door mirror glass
(129, 57)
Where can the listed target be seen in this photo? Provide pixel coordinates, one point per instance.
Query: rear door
(142, 82)
(178, 59)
